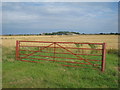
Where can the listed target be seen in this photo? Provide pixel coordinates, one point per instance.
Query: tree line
(63, 33)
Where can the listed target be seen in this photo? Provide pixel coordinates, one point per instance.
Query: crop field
(19, 74)
(111, 40)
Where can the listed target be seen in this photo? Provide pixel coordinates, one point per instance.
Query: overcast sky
(41, 17)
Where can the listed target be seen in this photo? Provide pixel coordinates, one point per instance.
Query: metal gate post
(54, 49)
(17, 50)
(103, 57)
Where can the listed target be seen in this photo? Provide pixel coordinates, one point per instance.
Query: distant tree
(9, 34)
(101, 33)
(111, 33)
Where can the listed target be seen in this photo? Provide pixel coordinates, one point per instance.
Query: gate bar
(103, 57)
(62, 42)
(65, 47)
(17, 50)
(59, 61)
(60, 53)
(60, 57)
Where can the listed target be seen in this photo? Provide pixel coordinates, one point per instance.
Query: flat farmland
(49, 74)
(110, 40)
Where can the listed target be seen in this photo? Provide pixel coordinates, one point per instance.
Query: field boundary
(46, 46)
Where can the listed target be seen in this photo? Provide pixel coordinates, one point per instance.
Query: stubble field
(110, 40)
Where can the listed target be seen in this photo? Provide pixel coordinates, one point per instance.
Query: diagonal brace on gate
(36, 51)
(74, 54)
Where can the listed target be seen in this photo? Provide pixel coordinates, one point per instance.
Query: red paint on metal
(54, 50)
(61, 53)
(59, 61)
(74, 54)
(103, 57)
(60, 64)
(65, 47)
(40, 49)
(61, 57)
(59, 45)
(17, 50)
(62, 42)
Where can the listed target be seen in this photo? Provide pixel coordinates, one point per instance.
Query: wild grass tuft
(114, 51)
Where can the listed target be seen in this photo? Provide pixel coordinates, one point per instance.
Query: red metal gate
(72, 54)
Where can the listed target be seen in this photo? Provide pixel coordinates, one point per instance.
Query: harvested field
(111, 40)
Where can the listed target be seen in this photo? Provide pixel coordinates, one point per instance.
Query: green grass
(72, 57)
(18, 74)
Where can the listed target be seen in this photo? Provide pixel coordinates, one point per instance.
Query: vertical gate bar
(54, 49)
(103, 57)
(17, 50)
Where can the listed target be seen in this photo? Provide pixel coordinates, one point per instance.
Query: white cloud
(15, 16)
(87, 17)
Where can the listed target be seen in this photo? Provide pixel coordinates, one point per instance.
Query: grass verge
(18, 74)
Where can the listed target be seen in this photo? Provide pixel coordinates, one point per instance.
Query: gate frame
(103, 64)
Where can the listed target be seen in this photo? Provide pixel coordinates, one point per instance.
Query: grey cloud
(87, 17)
